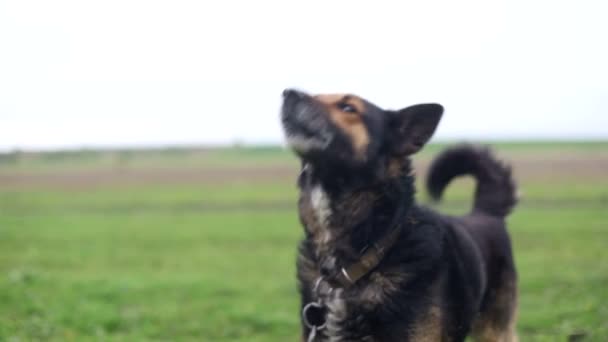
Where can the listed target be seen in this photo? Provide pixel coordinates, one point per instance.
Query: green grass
(148, 276)
(561, 256)
(157, 263)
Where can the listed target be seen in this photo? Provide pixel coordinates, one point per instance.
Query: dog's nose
(292, 92)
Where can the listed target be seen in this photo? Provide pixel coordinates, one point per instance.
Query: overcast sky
(106, 73)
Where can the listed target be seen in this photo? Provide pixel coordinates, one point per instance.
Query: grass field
(200, 244)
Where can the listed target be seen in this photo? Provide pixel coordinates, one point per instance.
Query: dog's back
(495, 196)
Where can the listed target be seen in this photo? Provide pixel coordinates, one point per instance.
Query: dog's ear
(412, 127)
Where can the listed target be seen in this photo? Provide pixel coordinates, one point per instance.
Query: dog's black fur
(446, 277)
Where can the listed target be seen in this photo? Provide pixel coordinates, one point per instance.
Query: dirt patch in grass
(87, 179)
(563, 168)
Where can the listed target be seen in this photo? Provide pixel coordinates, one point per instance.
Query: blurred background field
(116, 243)
(199, 243)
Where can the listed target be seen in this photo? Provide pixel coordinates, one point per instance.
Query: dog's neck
(343, 214)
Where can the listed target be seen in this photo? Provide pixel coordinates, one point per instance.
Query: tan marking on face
(350, 123)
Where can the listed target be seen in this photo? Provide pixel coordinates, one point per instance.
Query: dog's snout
(292, 92)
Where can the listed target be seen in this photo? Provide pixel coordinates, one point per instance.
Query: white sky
(98, 73)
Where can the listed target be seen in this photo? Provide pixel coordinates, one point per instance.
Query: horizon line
(274, 144)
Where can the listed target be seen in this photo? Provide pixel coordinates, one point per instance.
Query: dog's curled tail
(496, 192)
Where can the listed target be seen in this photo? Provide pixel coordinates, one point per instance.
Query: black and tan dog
(374, 265)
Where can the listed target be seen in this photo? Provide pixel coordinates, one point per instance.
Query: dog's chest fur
(328, 217)
(338, 225)
(320, 206)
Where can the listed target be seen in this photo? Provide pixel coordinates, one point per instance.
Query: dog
(373, 265)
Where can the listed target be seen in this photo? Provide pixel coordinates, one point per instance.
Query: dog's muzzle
(304, 122)
(300, 112)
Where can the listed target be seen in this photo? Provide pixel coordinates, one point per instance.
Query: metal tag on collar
(312, 335)
(314, 315)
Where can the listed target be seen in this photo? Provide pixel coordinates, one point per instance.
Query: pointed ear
(412, 127)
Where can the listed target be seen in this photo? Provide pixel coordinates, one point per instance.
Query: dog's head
(347, 132)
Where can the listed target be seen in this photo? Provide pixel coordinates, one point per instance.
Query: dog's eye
(345, 107)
